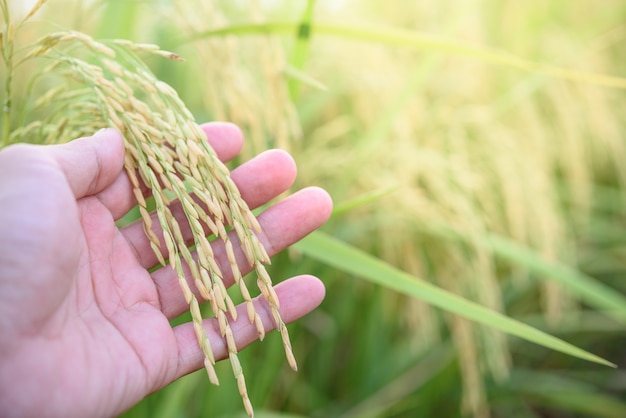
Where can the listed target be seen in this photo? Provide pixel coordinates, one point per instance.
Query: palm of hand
(86, 326)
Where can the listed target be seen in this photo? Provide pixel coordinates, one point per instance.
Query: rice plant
(106, 84)
(475, 149)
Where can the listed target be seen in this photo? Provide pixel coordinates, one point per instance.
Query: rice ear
(166, 152)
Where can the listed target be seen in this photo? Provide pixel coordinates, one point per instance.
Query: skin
(84, 325)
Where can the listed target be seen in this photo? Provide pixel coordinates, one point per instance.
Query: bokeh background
(477, 145)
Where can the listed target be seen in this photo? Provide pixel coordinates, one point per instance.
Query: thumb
(91, 164)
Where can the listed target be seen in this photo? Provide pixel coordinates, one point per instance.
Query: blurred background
(478, 145)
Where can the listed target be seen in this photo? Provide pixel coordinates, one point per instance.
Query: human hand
(84, 325)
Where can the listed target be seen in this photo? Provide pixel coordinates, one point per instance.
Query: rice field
(476, 257)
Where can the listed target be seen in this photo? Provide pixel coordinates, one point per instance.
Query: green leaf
(418, 40)
(591, 291)
(340, 255)
(363, 200)
(556, 389)
(301, 48)
(597, 295)
(304, 78)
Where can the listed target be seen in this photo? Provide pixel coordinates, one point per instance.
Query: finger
(225, 138)
(298, 296)
(91, 164)
(258, 180)
(282, 224)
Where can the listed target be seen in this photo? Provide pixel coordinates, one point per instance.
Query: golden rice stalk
(167, 152)
(253, 66)
(35, 9)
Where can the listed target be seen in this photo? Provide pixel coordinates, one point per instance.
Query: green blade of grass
(422, 41)
(589, 290)
(340, 255)
(303, 78)
(301, 48)
(363, 200)
(555, 388)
